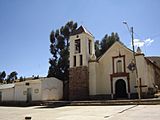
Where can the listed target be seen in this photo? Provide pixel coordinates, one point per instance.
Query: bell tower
(81, 50)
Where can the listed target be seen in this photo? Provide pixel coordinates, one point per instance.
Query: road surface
(123, 112)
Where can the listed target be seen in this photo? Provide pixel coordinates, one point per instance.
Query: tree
(21, 79)
(105, 43)
(97, 48)
(2, 76)
(11, 77)
(59, 48)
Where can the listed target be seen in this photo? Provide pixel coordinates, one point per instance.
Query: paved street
(128, 112)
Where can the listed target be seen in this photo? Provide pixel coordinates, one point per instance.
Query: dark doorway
(120, 89)
(29, 95)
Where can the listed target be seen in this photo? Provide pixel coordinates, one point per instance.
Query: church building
(114, 75)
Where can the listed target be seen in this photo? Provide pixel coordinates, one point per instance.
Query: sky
(25, 26)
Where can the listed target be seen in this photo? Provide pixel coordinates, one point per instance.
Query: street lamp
(136, 70)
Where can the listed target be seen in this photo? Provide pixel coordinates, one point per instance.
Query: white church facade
(110, 76)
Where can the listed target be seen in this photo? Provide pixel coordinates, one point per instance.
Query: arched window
(119, 66)
(77, 46)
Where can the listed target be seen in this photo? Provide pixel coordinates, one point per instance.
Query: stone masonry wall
(78, 83)
(157, 77)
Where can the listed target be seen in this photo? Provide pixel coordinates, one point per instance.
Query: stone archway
(120, 89)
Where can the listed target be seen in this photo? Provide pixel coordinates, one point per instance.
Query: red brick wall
(78, 83)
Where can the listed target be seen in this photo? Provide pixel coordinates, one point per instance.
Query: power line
(151, 36)
(156, 35)
(144, 39)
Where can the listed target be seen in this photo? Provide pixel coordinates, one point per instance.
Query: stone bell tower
(81, 49)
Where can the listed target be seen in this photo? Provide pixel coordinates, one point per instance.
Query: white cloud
(148, 41)
(141, 43)
(138, 42)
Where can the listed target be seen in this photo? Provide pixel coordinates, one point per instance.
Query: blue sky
(25, 26)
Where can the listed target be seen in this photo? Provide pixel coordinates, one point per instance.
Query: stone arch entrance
(120, 89)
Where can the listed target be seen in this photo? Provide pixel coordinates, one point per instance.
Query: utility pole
(136, 70)
(134, 58)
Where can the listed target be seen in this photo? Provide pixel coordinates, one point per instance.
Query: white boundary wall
(40, 89)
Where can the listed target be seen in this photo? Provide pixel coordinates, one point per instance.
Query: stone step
(157, 94)
(102, 102)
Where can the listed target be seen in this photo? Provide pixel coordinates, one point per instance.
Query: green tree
(21, 79)
(2, 76)
(106, 43)
(59, 48)
(97, 48)
(11, 77)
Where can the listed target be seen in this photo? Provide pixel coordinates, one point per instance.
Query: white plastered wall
(7, 94)
(52, 89)
(103, 82)
(84, 39)
(92, 77)
(41, 89)
(21, 90)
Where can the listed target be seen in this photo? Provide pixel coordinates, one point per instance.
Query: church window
(74, 60)
(81, 60)
(89, 46)
(77, 46)
(119, 66)
(77, 36)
